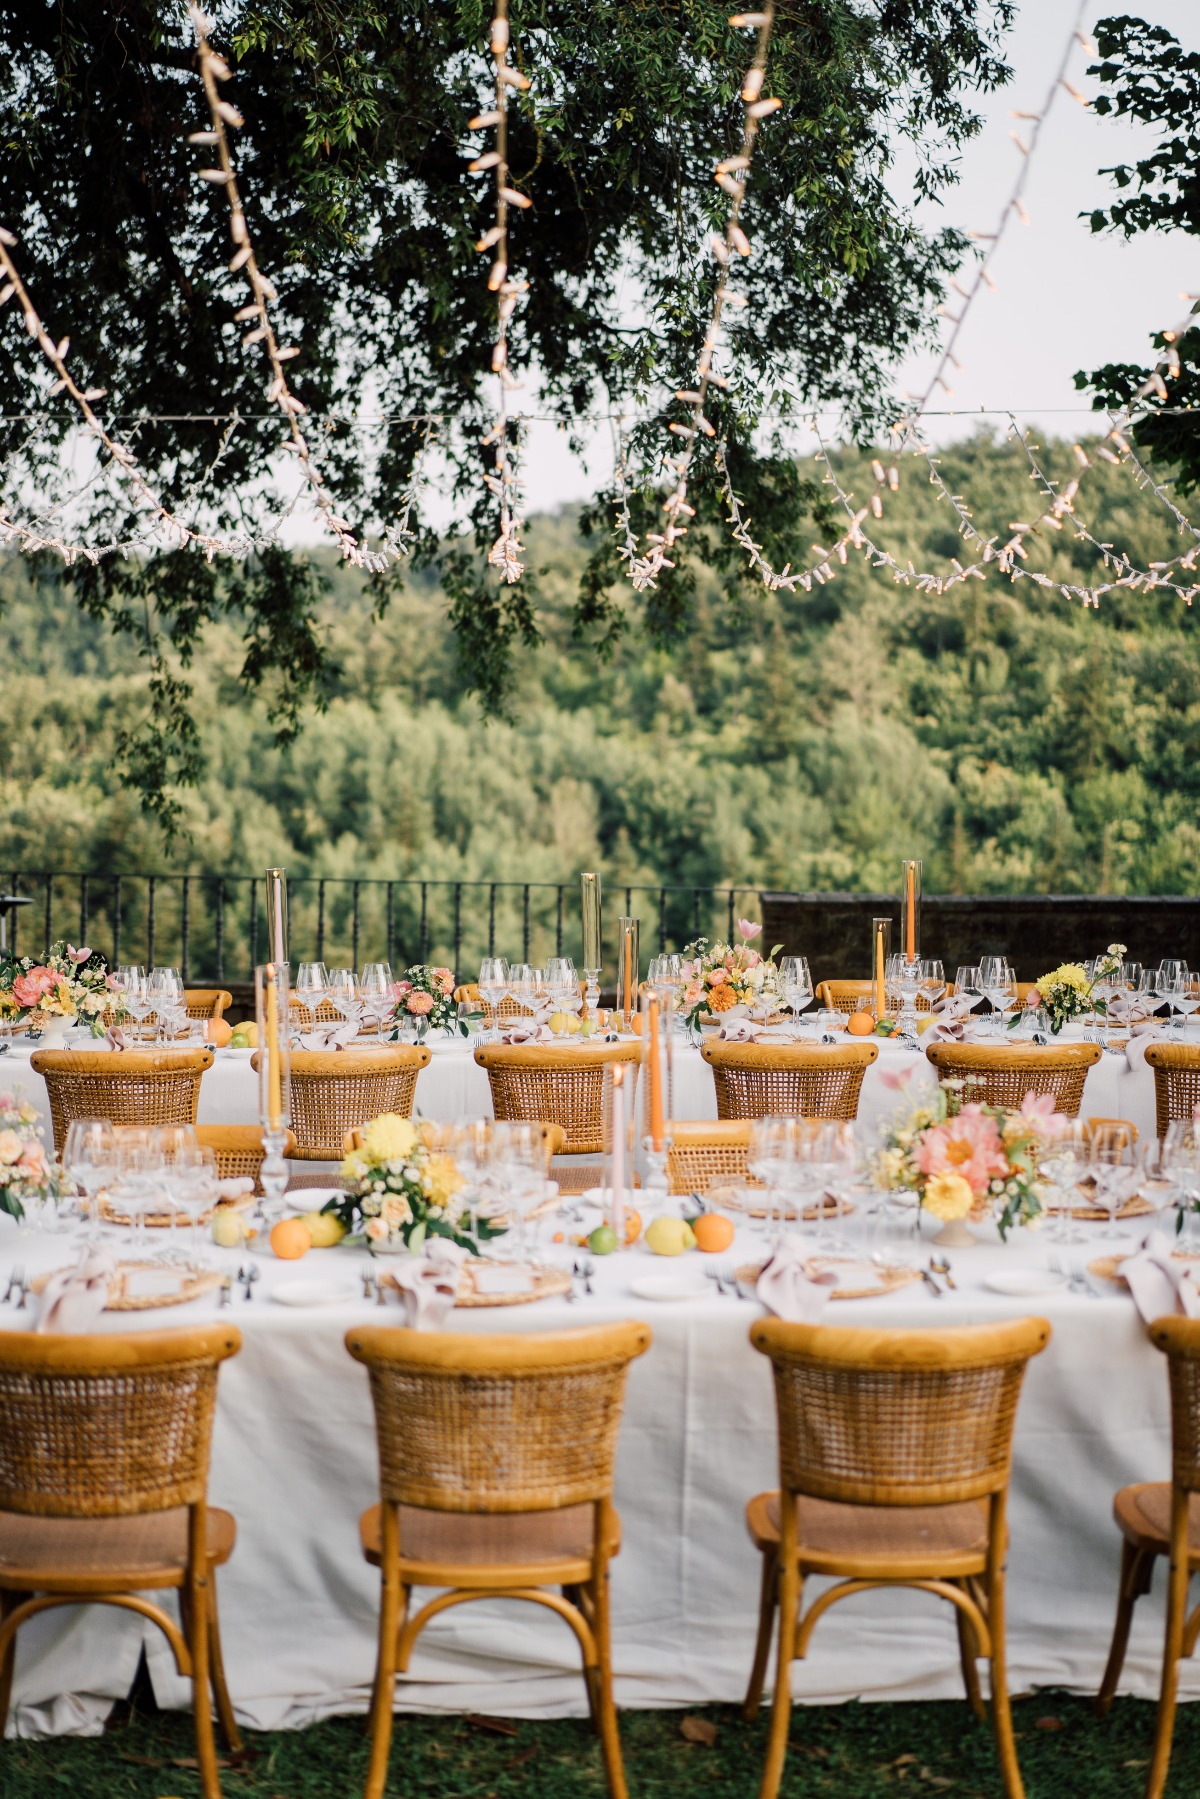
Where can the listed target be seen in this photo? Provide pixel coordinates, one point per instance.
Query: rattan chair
(703, 1156)
(508, 1007)
(104, 1452)
(553, 1136)
(1176, 1081)
(239, 1150)
(1162, 1518)
(1003, 1075)
(851, 996)
(206, 1002)
(1120, 1130)
(762, 1080)
(496, 1458)
(332, 1090)
(559, 1084)
(894, 1452)
(126, 1086)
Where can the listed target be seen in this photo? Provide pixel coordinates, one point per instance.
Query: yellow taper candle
(880, 990)
(658, 1129)
(910, 930)
(627, 998)
(274, 1085)
(617, 1158)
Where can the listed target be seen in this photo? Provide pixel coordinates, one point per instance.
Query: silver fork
(716, 1277)
(22, 1283)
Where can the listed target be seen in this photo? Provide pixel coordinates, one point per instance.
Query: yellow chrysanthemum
(441, 1180)
(948, 1196)
(1068, 974)
(354, 1167)
(389, 1138)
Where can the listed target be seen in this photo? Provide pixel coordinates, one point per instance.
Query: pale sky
(1066, 299)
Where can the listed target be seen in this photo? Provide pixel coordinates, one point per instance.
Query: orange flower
(721, 997)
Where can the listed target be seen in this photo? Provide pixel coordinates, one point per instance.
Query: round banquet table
(294, 1460)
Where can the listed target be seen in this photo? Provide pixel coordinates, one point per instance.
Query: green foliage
(353, 166)
(1015, 741)
(1151, 78)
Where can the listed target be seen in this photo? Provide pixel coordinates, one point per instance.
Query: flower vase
(955, 1235)
(55, 1031)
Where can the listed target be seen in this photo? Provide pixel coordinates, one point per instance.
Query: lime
(603, 1240)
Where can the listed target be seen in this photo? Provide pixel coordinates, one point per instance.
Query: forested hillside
(1015, 741)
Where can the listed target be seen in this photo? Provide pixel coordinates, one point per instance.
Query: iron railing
(214, 927)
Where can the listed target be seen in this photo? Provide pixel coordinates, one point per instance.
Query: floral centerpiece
(1068, 991)
(400, 1190)
(27, 1175)
(719, 977)
(965, 1160)
(71, 983)
(425, 997)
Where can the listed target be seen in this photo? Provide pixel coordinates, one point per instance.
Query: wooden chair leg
(224, 1705)
(1164, 1725)
(1137, 1568)
(385, 1682)
(1006, 1748)
(790, 1587)
(574, 1596)
(606, 1711)
(206, 1746)
(968, 1654)
(8, 1604)
(762, 1648)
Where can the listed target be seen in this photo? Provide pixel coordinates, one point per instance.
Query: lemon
(603, 1240)
(670, 1237)
(228, 1228)
(564, 1024)
(325, 1229)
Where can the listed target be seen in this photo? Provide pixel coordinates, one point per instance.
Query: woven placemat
(1108, 1268)
(193, 1283)
(160, 1221)
(548, 1283)
(891, 1276)
(747, 1201)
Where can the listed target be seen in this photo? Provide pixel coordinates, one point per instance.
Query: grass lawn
(851, 1751)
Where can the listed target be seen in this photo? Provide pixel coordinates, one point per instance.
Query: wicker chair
(1004, 1075)
(895, 1450)
(239, 1150)
(128, 1087)
(1176, 1081)
(207, 1002)
(703, 1156)
(535, 1523)
(104, 1452)
(760, 1080)
(332, 1090)
(508, 1007)
(553, 1136)
(558, 1084)
(1161, 1518)
(850, 996)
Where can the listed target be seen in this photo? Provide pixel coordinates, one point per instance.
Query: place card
(152, 1283)
(496, 1280)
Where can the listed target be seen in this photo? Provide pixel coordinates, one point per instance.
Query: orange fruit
(633, 1226)
(860, 1024)
(219, 1033)
(290, 1239)
(712, 1232)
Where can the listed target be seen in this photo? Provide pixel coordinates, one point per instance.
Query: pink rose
(10, 1147)
(747, 931)
(33, 1160)
(420, 1003)
(968, 1144)
(401, 988)
(693, 993)
(751, 959)
(717, 976)
(29, 988)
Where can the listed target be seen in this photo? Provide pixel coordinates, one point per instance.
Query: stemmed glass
(139, 1168)
(523, 985)
(562, 984)
(665, 974)
(375, 991)
(1062, 1162)
(835, 1156)
(1187, 998)
(1113, 1171)
(968, 984)
(1180, 1160)
(1172, 974)
(933, 981)
(493, 987)
(191, 1179)
(89, 1154)
(342, 993)
(311, 989)
(771, 1159)
(999, 987)
(128, 982)
(517, 1164)
(797, 985)
(164, 987)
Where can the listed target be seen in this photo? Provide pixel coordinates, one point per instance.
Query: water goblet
(797, 985)
(493, 987)
(312, 982)
(342, 992)
(89, 1153)
(376, 986)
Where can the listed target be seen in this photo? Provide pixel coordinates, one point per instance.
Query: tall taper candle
(658, 1129)
(880, 928)
(277, 927)
(274, 1078)
(616, 1163)
(910, 906)
(590, 895)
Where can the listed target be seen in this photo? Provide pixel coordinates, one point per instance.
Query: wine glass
(342, 993)
(836, 1156)
(88, 1157)
(797, 985)
(999, 987)
(378, 1001)
(312, 982)
(523, 985)
(164, 988)
(562, 984)
(968, 983)
(771, 1159)
(933, 981)
(1062, 1162)
(128, 986)
(493, 987)
(191, 1180)
(1113, 1171)
(1187, 998)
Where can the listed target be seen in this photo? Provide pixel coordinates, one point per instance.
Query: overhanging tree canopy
(352, 163)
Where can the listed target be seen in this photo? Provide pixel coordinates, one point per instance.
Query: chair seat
(472, 1549)
(104, 1555)
(878, 1541)
(1143, 1513)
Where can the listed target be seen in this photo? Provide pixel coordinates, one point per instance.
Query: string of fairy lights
(177, 524)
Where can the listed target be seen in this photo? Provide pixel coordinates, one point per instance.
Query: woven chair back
(207, 1002)
(106, 1426)
(333, 1091)
(873, 1417)
(1179, 1340)
(536, 1083)
(848, 996)
(239, 1150)
(703, 1156)
(1004, 1075)
(126, 1086)
(508, 1007)
(1176, 1082)
(761, 1080)
(497, 1424)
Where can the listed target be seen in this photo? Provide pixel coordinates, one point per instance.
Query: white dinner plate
(1023, 1283)
(667, 1287)
(311, 1293)
(311, 1199)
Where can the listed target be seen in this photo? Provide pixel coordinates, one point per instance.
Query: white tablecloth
(294, 1460)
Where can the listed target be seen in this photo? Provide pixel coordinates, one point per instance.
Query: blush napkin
(428, 1283)
(73, 1300)
(1161, 1284)
(787, 1289)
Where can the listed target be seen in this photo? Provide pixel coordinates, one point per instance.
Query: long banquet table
(294, 1460)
